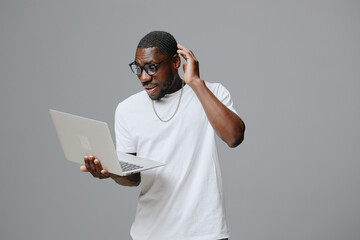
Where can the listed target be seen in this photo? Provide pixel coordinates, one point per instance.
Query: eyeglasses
(150, 68)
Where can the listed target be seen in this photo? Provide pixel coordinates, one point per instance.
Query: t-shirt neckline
(169, 96)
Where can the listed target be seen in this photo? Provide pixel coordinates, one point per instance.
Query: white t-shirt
(184, 199)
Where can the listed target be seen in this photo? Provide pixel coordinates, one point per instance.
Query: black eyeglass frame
(146, 66)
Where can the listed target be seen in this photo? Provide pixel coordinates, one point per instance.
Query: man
(174, 121)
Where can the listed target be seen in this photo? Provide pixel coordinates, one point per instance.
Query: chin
(158, 96)
(152, 97)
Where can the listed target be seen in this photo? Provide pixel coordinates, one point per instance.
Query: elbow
(133, 184)
(128, 183)
(236, 141)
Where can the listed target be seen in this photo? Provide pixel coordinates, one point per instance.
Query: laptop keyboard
(129, 166)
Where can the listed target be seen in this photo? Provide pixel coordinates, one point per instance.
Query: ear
(176, 61)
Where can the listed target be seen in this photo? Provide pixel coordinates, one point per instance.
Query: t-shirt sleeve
(124, 141)
(224, 96)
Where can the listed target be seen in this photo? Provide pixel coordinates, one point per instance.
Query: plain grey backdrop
(292, 67)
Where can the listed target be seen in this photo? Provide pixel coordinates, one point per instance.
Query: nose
(144, 76)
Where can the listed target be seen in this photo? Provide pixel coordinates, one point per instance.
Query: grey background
(292, 68)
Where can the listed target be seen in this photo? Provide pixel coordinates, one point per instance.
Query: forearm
(228, 125)
(129, 181)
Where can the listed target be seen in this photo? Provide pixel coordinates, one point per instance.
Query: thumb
(83, 168)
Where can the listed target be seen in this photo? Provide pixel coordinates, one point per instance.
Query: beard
(166, 87)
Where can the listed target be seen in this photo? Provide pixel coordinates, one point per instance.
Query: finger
(183, 51)
(184, 54)
(188, 56)
(186, 50)
(92, 166)
(181, 47)
(193, 56)
(91, 163)
(87, 163)
(180, 53)
(83, 168)
(102, 173)
(98, 166)
(105, 173)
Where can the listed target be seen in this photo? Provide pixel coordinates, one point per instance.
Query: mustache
(149, 84)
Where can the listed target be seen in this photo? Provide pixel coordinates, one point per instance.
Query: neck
(176, 84)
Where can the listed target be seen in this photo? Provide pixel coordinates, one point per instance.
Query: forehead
(145, 55)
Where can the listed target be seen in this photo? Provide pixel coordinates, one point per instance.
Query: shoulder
(131, 103)
(132, 106)
(217, 89)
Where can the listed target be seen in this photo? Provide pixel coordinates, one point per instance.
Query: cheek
(169, 79)
(164, 82)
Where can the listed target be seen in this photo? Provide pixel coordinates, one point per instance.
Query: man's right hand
(93, 166)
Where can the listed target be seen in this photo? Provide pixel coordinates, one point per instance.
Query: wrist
(196, 83)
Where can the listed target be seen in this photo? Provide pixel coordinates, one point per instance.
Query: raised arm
(228, 125)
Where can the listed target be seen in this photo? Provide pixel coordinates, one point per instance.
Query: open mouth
(150, 89)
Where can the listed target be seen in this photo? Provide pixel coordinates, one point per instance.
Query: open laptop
(81, 136)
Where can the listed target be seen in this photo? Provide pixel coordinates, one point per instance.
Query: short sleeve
(224, 96)
(124, 141)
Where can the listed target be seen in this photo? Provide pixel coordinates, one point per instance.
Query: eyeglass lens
(149, 68)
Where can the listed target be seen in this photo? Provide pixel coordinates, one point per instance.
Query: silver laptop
(81, 136)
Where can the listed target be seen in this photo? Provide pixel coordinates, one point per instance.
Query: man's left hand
(191, 67)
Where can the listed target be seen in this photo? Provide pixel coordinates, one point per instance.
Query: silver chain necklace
(177, 107)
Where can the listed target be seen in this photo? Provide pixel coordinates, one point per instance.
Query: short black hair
(164, 41)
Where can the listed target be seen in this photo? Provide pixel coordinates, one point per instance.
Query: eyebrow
(151, 62)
